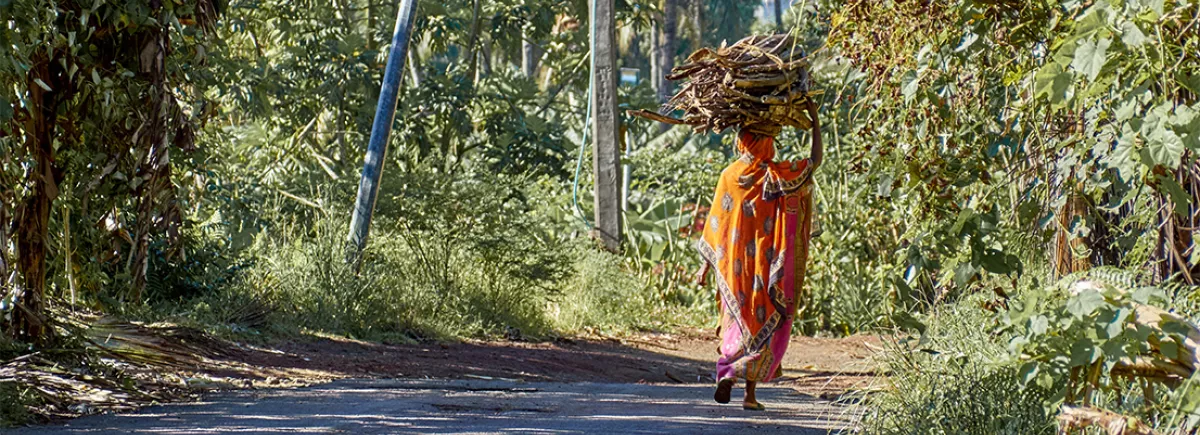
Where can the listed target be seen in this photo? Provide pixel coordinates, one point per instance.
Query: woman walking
(756, 238)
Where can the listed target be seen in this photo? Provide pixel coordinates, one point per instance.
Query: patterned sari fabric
(756, 240)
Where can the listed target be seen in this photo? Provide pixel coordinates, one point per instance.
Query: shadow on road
(468, 407)
(562, 361)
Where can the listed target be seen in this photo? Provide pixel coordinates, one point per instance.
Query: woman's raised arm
(818, 147)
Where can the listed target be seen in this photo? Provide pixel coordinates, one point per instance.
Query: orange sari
(756, 240)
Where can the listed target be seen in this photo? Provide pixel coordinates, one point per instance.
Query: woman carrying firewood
(757, 232)
(756, 238)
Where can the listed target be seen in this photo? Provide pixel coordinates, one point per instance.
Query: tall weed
(953, 379)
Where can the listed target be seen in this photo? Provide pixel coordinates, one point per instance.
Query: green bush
(13, 405)
(953, 379)
(450, 256)
(603, 295)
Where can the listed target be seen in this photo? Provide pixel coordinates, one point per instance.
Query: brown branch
(656, 117)
(1073, 418)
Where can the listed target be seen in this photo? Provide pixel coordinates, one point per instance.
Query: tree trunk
(414, 66)
(485, 57)
(1067, 247)
(33, 215)
(472, 49)
(664, 40)
(531, 54)
(1171, 260)
(155, 168)
(657, 74)
(779, 15)
(371, 26)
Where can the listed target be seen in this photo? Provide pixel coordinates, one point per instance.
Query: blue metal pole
(381, 129)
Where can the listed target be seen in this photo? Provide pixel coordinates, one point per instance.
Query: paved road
(472, 407)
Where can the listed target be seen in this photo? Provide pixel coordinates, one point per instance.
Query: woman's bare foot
(750, 403)
(724, 390)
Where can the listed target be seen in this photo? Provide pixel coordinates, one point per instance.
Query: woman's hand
(818, 148)
(702, 275)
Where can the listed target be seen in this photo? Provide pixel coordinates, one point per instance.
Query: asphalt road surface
(474, 407)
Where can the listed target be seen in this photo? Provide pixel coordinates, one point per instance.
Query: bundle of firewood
(760, 83)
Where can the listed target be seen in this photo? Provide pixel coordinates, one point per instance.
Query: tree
(665, 37)
(778, 15)
(95, 96)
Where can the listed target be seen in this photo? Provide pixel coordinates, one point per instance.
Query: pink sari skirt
(737, 359)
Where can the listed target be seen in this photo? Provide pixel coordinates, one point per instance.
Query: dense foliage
(194, 161)
(158, 157)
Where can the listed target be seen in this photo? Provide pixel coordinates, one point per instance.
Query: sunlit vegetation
(194, 163)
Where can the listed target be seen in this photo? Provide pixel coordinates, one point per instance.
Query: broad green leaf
(1191, 82)
(1046, 381)
(1163, 146)
(884, 188)
(1039, 324)
(1017, 344)
(996, 262)
(1085, 303)
(963, 273)
(1126, 110)
(909, 84)
(1149, 295)
(1090, 57)
(1114, 322)
(967, 41)
(1114, 349)
(1093, 21)
(923, 57)
(1155, 5)
(1169, 186)
(1053, 83)
(1169, 349)
(1132, 35)
(1028, 372)
(905, 320)
(1186, 122)
(656, 251)
(964, 216)
(1084, 352)
(1191, 139)
(1175, 327)
(1124, 153)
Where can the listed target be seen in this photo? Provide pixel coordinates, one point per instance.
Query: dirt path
(654, 383)
(815, 366)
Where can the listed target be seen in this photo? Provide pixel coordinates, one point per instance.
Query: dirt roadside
(815, 366)
(822, 368)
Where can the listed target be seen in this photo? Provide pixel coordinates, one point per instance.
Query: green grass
(14, 404)
(953, 380)
(306, 284)
(448, 258)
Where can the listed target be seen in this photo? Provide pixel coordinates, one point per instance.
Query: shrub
(953, 379)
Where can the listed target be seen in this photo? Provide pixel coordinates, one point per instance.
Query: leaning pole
(381, 129)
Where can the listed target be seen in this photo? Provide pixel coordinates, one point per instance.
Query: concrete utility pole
(381, 129)
(606, 152)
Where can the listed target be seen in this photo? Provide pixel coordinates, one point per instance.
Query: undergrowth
(448, 258)
(953, 378)
(14, 405)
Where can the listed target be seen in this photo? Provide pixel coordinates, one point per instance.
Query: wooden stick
(1073, 417)
(655, 117)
